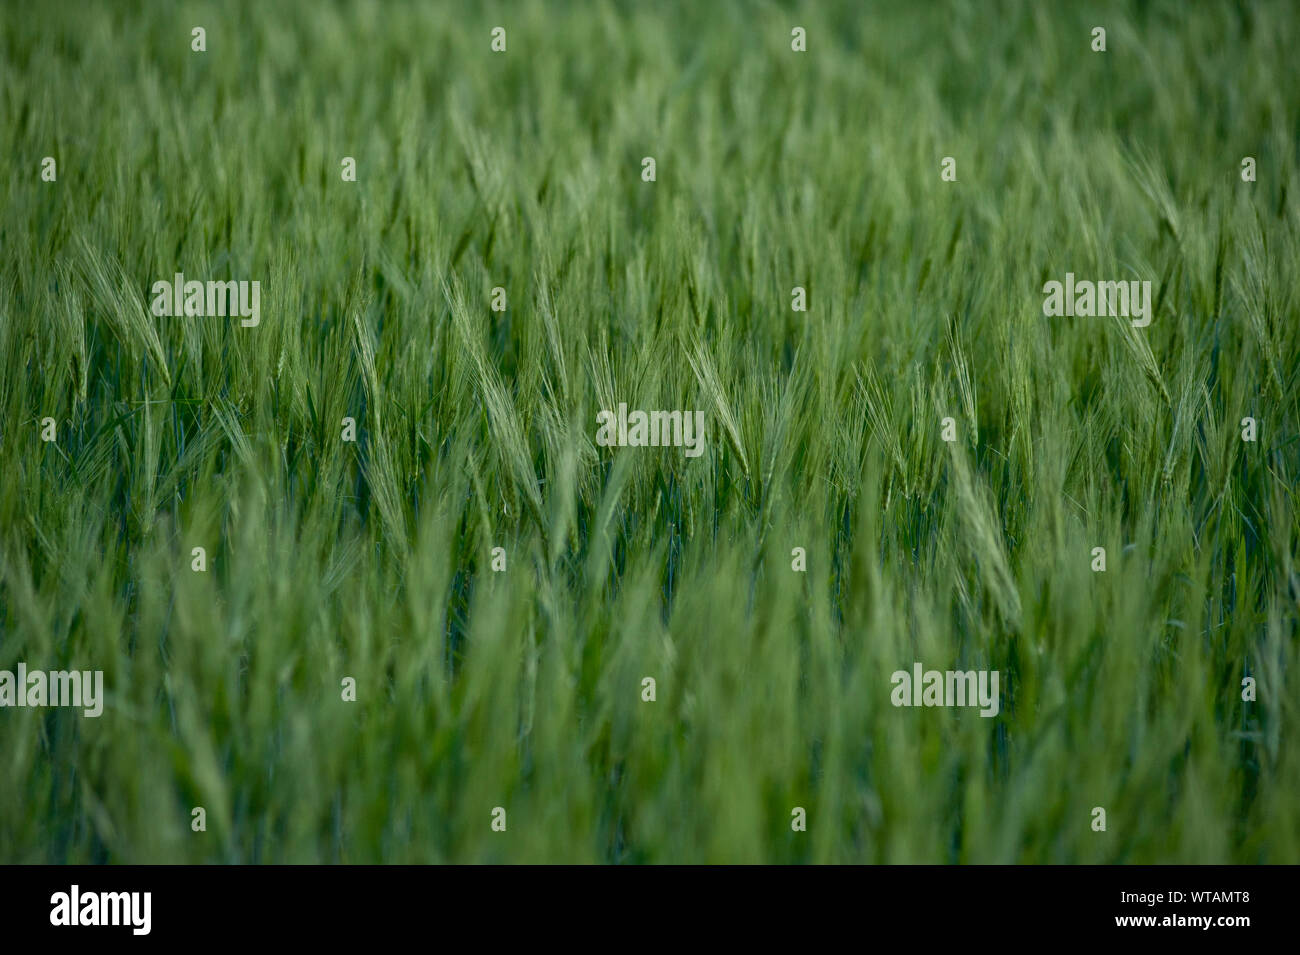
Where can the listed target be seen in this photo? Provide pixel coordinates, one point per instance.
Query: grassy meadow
(476, 429)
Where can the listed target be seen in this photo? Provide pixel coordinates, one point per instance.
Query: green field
(371, 560)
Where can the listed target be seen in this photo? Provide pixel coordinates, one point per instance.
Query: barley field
(916, 467)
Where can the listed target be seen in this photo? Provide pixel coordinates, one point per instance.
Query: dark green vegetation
(476, 429)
